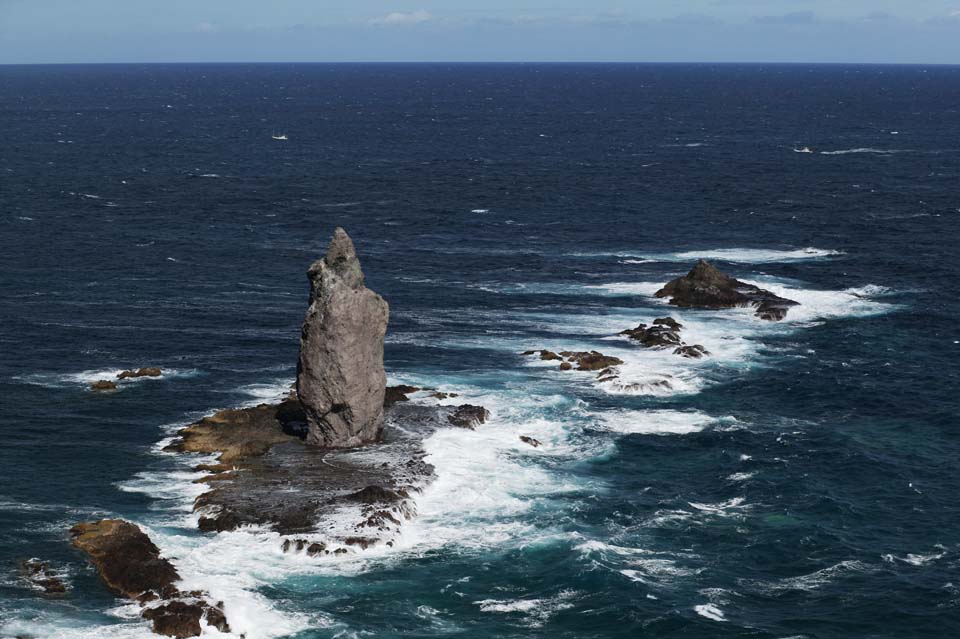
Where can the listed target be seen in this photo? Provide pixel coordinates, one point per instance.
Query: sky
(855, 31)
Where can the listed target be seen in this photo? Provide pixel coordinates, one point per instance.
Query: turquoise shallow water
(800, 482)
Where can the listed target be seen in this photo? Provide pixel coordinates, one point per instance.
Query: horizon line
(486, 62)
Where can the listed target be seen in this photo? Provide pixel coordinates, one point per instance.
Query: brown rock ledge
(130, 564)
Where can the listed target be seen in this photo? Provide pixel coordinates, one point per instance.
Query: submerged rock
(530, 440)
(544, 354)
(705, 286)
(693, 351)
(41, 576)
(340, 377)
(149, 371)
(130, 564)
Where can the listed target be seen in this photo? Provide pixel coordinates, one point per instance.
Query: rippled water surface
(800, 482)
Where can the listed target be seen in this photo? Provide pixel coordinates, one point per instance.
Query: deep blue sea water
(800, 482)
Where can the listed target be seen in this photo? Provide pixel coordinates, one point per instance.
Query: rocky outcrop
(665, 333)
(705, 286)
(590, 360)
(526, 439)
(130, 564)
(399, 393)
(660, 335)
(149, 371)
(340, 376)
(544, 354)
(103, 385)
(468, 416)
(41, 576)
(240, 433)
(693, 351)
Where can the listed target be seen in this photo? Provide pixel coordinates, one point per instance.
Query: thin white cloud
(402, 18)
(207, 27)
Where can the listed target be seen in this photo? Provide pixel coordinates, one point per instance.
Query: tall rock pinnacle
(340, 377)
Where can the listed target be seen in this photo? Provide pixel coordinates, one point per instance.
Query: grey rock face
(340, 377)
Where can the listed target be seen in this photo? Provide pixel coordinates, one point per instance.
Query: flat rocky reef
(266, 475)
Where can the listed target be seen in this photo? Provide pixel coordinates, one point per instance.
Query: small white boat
(805, 149)
(282, 136)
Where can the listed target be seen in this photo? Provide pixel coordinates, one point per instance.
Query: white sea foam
(730, 508)
(87, 377)
(808, 582)
(484, 488)
(537, 611)
(916, 559)
(866, 150)
(735, 255)
(655, 422)
(710, 611)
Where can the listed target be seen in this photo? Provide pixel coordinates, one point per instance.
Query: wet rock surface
(129, 563)
(43, 577)
(340, 377)
(468, 416)
(295, 489)
(705, 286)
(103, 385)
(149, 371)
(665, 333)
(399, 393)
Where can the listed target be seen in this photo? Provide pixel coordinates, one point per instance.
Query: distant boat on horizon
(282, 136)
(805, 149)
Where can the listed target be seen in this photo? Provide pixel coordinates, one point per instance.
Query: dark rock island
(705, 286)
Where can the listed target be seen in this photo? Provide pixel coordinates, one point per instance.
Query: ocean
(799, 482)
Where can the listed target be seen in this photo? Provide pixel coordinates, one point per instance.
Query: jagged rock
(130, 564)
(468, 416)
(693, 351)
(660, 335)
(441, 395)
(340, 377)
(591, 360)
(149, 371)
(103, 385)
(669, 322)
(705, 286)
(394, 394)
(530, 440)
(40, 575)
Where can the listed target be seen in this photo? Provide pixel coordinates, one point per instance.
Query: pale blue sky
(899, 31)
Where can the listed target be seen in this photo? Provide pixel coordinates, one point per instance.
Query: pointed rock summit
(340, 377)
(706, 286)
